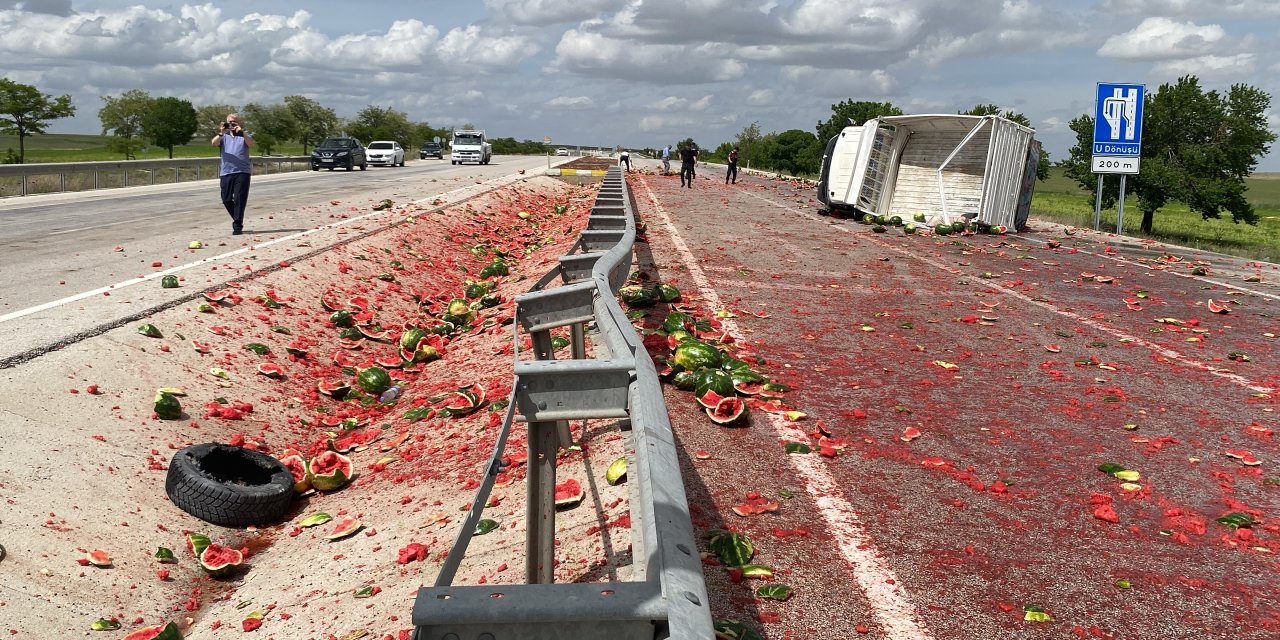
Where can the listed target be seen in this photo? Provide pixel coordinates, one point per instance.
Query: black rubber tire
(229, 486)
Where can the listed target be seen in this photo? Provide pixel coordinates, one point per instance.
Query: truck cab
(470, 146)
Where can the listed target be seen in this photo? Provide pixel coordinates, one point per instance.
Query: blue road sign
(1117, 120)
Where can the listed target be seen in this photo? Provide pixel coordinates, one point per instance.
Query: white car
(562, 151)
(385, 152)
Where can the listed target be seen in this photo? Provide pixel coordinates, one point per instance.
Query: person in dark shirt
(732, 174)
(688, 156)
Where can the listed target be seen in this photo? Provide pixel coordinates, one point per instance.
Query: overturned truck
(946, 169)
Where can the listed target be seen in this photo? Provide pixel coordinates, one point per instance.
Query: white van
(947, 167)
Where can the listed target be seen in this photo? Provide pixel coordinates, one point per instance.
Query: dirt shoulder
(88, 458)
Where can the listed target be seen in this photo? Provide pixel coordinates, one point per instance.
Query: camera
(226, 125)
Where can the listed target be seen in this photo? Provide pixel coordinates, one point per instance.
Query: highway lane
(72, 257)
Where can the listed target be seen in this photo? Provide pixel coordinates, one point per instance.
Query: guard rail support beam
(602, 223)
(597, 240)
(577, 267)
(544, 612)
(549, 390)
(551, 308)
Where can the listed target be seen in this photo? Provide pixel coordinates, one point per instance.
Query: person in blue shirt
(666, 160)
(234, 143)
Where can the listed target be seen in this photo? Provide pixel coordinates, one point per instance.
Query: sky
(640, 73)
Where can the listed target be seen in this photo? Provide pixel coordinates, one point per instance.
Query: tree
(1042, 169)
(169, 122)
(793, 152)
(25, 111)
(314, 122)
(210, 117)
(748, 141)
(852, 112)
(379, 123)
(1197, 148)
(269, 125)
(423, 132)
(123, 117)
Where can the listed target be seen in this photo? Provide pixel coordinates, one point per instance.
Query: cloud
(1210, 68)
(574, 102)
(1157, 39)
(596, 55)
(1192, 8)
(51, 7)
(550, 12)
(472, 47)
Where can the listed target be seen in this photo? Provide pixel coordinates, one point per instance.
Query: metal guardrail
(667, 596)
(123, 167)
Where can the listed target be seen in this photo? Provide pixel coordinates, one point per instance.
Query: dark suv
(332, 153)
(430, 149)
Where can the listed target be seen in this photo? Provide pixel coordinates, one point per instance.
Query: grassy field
(75, 147)
(1060, 199)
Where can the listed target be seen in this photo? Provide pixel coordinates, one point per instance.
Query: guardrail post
(22, 188)
(62, 182)
(540, 514)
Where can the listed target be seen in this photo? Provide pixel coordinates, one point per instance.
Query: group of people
(688, 164)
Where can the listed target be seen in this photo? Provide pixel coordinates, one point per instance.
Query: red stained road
(998, 504)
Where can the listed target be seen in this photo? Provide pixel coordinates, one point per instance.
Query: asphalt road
(73, 258)
(975, 385)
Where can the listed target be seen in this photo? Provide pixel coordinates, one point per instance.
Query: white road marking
(1120, 335)
(160, 274)
(100, 226)
(1172, 273)
(890, 604)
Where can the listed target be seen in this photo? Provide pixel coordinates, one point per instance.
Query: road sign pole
(1097, 206)
(1120, 208)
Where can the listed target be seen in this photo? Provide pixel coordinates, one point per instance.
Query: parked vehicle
(332, 153)
(934, 169)
(386, 152)
(431, 150)
(562, 151)
(470, 146)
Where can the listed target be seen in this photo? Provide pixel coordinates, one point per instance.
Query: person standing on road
(688, 156)
(666, 160)
(732, 174)
(624, 159)
(234, 143)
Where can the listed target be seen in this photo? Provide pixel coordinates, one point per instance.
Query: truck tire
(229, 486)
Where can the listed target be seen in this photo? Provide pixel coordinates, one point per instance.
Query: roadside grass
(93, 148)
(1059, 199)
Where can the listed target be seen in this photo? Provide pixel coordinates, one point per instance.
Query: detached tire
(229, 486)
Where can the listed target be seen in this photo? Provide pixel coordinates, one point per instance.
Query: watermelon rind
(218, 560)
(338, 478)
(167, 632)
(728, 411)
(569, 493)
(616, 472)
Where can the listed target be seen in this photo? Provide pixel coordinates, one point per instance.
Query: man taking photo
(234, 143)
